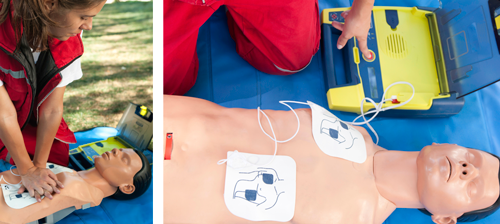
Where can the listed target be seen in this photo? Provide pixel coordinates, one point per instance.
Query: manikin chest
(337, 191)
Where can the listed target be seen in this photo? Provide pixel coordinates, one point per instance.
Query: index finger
(60, 185)
(364, 48)
(38, 198)
(21, 189)
(31, 191)
(57, 183)
(47, 187)
(51, 174)
(53, 185)
(51, 181)
(342, 40)
(39, 190)
(338, 26)
(48, 195)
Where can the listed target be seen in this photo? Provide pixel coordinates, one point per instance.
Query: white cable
(284, 102)
(13, 171)
(274, 134)
(2, 178)
(276, 141)
(378, 108)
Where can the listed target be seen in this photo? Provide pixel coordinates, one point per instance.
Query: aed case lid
(471, 43)
(136, 126)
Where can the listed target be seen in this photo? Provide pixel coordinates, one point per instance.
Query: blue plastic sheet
(225, 78)
(111, 211)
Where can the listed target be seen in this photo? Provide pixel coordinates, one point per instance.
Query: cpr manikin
(118, 172)
(448, 180)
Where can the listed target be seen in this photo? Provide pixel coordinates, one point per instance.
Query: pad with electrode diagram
(18, 201)
(335, 137)
(259, 190)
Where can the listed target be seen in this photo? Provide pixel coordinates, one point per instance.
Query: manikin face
(453, 180)
(71, 22)
(119, 166)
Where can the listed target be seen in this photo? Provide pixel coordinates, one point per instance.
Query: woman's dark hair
(477, 214)
(35, 19)
(142, 180)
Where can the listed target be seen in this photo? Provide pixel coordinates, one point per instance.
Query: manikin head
(457, 183)
(126, 169)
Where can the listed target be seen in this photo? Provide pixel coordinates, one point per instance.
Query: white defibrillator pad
(336, 138)
(18, 201)
(258, 190)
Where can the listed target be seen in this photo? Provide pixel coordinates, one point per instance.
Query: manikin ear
(50, 4)
(444, 219)
(127, 188)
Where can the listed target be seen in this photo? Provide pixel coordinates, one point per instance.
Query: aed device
(445, 53)
(135, 130)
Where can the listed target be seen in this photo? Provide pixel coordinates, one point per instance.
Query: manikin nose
(467, 170)
(115, 151)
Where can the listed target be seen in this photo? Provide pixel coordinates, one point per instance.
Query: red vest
(28, 85)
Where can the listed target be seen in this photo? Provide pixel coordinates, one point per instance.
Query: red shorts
(276, 37)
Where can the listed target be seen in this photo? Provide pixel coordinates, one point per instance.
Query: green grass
(117, 67)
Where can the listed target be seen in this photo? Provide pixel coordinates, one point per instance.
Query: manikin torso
(76, 192)
(329, 190)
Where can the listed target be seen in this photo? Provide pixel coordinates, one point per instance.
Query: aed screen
(372, 79)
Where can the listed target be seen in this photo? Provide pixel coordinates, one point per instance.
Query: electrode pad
(335, 137)
(259, 190)
(18, 201)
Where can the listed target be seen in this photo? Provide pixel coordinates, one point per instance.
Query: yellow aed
(407, 44)
(94, 149)
(134, 130)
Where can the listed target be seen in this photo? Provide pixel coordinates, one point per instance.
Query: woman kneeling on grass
(41, 46)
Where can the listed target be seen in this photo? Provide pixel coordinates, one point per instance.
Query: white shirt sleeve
(69, 74)
(1, 83)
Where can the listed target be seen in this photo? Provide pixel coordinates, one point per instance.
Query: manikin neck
(94, 178)
(396, 177)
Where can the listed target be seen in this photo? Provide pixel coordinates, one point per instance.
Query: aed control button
(371, 57)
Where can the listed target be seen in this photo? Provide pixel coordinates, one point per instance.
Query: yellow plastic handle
(355, 53)
(144, 110)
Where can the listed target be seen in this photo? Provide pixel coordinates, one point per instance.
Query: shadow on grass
(117, 67)
(121, 21)
(133, 15)
(118, 33)
(95, 72)
(103, 94)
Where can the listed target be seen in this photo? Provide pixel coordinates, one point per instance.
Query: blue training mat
(111, 211)
(225, 78)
